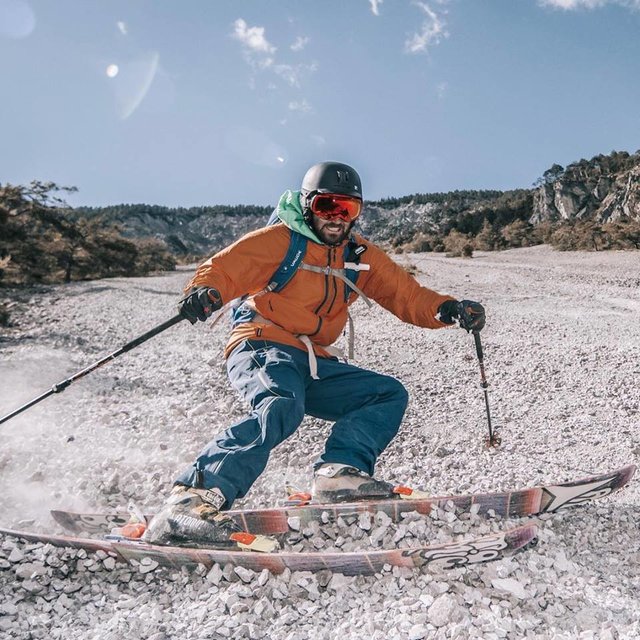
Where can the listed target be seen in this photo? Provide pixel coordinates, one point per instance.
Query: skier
(279, 357)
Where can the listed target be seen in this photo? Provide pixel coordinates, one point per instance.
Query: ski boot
(335, 482)
(192, 517)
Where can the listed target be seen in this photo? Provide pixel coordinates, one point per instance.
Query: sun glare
(112, 70)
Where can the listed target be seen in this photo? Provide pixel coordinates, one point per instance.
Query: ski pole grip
(214, 297)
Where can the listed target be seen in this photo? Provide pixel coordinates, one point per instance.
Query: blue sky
(207, 102)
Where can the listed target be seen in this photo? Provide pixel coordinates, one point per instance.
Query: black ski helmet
(332, 177)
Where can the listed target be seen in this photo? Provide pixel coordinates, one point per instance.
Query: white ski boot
(335, 482)
(192, 516)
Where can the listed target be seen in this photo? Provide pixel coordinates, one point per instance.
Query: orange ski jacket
(312, 304)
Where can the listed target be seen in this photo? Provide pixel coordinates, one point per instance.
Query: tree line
(41, 241)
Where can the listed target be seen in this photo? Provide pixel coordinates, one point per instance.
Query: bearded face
(332, 231)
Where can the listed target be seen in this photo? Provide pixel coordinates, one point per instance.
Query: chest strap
(341, 274)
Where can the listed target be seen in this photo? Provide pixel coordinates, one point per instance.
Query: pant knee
(281, 417)
(396, 392)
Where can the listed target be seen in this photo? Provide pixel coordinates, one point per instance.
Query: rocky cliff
(605, 189)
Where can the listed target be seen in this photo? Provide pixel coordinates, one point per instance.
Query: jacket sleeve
(245, 266)
(399, 292)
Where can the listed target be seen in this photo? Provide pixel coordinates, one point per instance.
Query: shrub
(4, 315)
(458, 244)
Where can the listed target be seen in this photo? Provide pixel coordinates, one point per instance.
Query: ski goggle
(330, 205)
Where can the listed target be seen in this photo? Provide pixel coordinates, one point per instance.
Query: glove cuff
(448, 311)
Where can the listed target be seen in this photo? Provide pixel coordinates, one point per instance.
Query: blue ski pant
(366, 407)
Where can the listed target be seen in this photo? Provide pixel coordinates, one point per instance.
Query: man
(280, 359)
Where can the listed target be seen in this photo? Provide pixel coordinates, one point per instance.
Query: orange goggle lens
(327, 206)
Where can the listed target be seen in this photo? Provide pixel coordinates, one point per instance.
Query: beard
(332, 234)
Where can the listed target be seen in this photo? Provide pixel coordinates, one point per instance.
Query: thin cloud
(252, 38)
(122, 27)
(300, 105)
(294, 74)
(375, 6)
(300, 43)
(574, 5)
(432, 32)
(259, 54)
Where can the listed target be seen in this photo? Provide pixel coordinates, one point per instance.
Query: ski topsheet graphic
(447, 555)
(518, 503)
(513, 504)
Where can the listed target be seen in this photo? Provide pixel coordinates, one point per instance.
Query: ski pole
(61, 386)
(493, 440)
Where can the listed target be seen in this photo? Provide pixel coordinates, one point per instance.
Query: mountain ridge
(602, 190)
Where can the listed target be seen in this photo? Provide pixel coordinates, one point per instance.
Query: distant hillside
(590, 204)
(195, 231)
(199, 231)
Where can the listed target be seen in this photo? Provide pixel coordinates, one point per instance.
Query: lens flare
(17, 19)
(133, 81)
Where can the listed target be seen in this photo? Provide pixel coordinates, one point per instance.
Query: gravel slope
(562, 352)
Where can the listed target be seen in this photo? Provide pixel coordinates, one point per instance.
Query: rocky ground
(562, 352)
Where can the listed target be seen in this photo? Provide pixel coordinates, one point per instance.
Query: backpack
(292, 261)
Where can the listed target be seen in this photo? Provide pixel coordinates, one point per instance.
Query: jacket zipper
(326, 286)
(335, 286)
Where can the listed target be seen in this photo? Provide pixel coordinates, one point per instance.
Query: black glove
(469, 314)
(199, 304)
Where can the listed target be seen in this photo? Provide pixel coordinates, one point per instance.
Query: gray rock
(364, 521)
(264, 609)
(215, 575)
(444, 609)
(263, 578)
(28, 570)
(510, 586)
(32, 587)
(147, 565)
(8, 609)
(7, 625)
(418, 632)
(16, 555)
(246, 575)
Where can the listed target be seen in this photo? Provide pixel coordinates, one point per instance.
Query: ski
(447, 555)
(508, 504)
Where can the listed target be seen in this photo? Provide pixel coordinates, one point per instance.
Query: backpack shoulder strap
(352, 254)
(290, 262)
(283, 274)
(273, 218)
